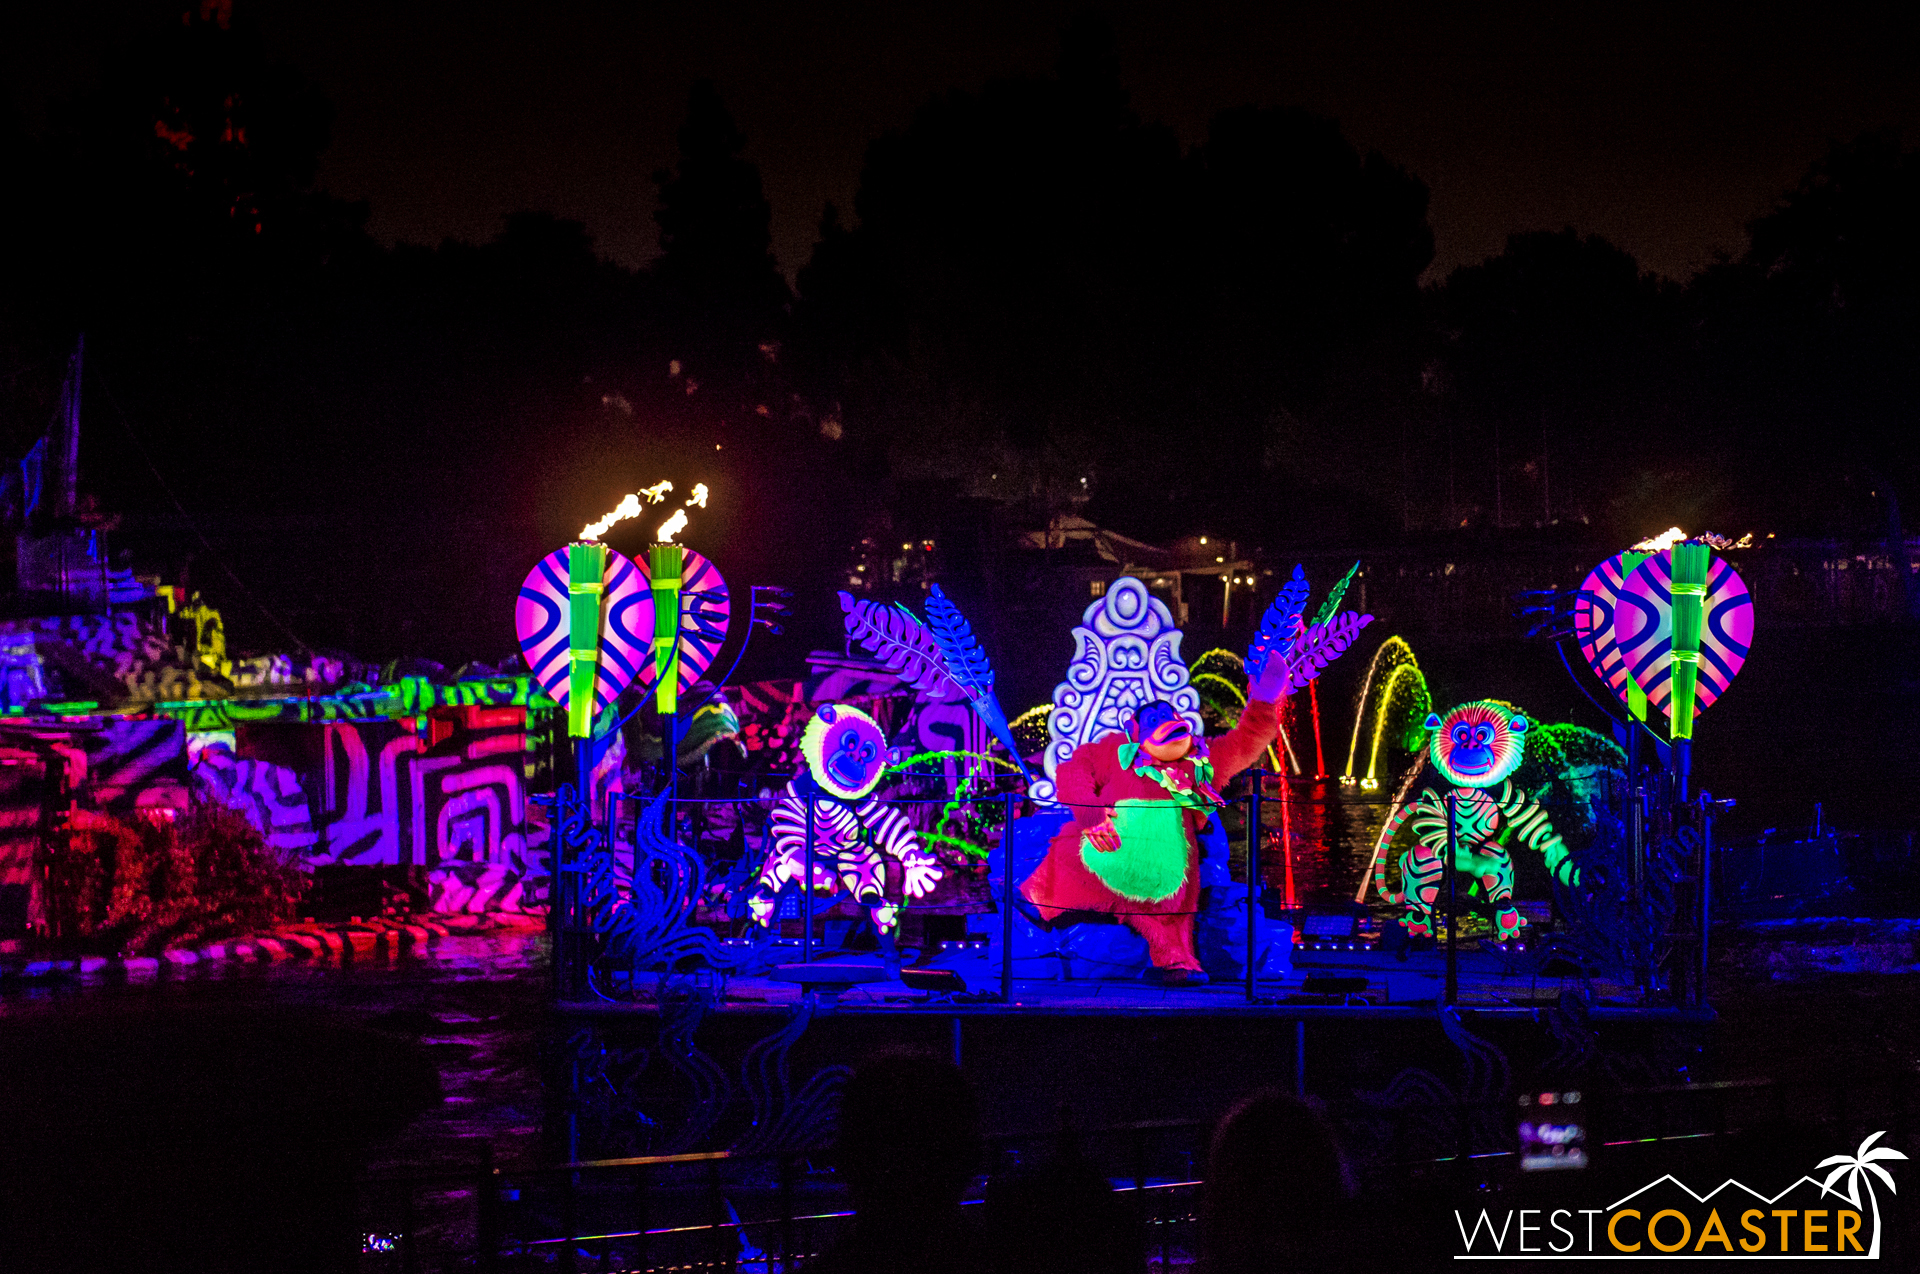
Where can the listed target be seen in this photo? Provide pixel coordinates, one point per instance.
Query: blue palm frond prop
(969, 667)
(1280, 626)
(966, 662)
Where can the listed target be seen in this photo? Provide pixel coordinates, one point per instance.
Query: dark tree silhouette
(1039, 303)
(715, 241)
(1554, 352)
(1045, 303)
(1808, 340)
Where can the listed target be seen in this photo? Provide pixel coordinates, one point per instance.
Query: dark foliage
(138, 887)
(1040, 303)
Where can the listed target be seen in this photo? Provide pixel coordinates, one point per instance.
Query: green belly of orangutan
(1151, 863)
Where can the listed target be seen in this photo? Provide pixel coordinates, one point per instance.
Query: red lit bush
(140, 886)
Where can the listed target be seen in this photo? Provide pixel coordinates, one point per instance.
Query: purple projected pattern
(1643, 627)
(1593, 620)
(626, 626)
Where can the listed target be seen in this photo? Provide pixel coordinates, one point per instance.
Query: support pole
(1253, 871)
(806, 893)
(1708, 808)
(586, 574)
(1286, 841)
(1636, 830)
(1006, 903)
(1453, 899)
(572, 970)
(1319, 753)
(1690, 564)
(1300, 1056)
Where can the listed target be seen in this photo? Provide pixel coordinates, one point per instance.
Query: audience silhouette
(1061, 1217)
(1277, 1184)
(908, 1148)
(1276, 1192)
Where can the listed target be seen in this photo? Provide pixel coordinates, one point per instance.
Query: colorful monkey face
(1161, 731)
(1477, 744)
(845, 751)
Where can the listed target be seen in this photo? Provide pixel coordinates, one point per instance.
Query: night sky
(1665, 133)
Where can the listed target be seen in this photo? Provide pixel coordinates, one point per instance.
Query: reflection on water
(1330, 830)
(477, 1003)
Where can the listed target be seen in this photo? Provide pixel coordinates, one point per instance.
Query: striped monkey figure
(1474, 747)
(858, 843)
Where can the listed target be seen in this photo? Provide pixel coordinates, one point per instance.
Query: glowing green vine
(901, 766)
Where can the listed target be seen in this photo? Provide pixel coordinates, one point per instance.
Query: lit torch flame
(655, 494)
(630, 508)
(1674, 535)
(1662, 542)
(678, 522)
(627, 508)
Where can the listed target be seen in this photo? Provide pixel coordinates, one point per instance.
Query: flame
(655, 494)
(1660, 543)
(627, 508)
(1674, 535)
(630, 508)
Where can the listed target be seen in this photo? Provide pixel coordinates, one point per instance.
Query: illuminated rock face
(1126, 655)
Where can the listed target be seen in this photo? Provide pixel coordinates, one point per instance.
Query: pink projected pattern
(1593, 623)
(626, 626)
(1643, 629)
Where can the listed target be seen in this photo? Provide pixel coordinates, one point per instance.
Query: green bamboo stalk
(665, 562)
(586, 571)
(1690, 563)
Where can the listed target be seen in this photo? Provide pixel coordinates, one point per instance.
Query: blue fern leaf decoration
(966, 662)
(1280, 626)
(968, 665)
(901, 642)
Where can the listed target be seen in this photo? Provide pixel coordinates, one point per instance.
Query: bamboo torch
(1690, 562)
(586, 571)
(664, 562)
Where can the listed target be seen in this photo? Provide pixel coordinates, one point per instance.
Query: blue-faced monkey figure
(1473, 747)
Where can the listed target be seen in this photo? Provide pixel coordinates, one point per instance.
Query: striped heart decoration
(626, 626)
(1643, 629)
(1593, 612)
(705, 611)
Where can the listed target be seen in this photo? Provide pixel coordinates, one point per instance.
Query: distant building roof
(1195, 555)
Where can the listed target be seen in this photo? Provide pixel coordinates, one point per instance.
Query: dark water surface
(475, 1003)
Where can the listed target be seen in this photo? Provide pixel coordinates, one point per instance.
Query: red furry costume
(1089, 784)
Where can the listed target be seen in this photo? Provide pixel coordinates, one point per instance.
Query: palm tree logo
(1855, 1168)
